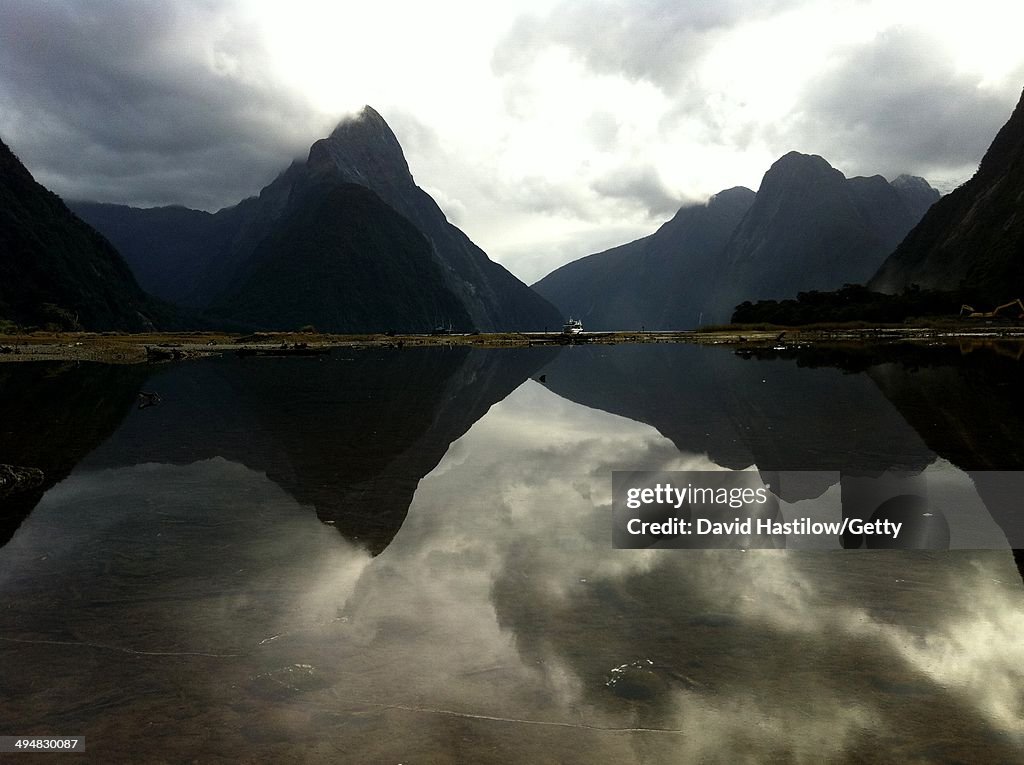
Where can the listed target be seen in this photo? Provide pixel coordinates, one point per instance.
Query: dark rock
(14, 479)
(811, 228)
(661, 281)
(225, 262)
(57, 270)
(807, 228)
(971, 241)
(343, 260)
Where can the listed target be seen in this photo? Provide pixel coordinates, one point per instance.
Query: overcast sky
(546, 129)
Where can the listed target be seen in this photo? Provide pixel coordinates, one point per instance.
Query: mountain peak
(795, 161)
(914, 182)
(917, 194)
(795, 170)
(736, 194)
(361, 147)
(363, 150)
(364, 118)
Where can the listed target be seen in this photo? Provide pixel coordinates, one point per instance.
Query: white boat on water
(573, 327)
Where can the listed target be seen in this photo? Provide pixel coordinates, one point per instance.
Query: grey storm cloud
(641, 186)
(896, 104)
(133, 100)
(653, 40)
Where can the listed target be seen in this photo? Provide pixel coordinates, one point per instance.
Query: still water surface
(404, 557)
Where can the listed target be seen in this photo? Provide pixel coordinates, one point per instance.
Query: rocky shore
(151, 348)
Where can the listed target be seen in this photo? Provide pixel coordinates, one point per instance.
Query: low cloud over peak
(543, 126)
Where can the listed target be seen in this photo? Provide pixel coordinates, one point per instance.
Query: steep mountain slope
(199, 262)
(658, 282)
(973, 238)
(170, 249)
(340, 259)
(365, 151)
(56, 269)
(810, 228)
(807, 228)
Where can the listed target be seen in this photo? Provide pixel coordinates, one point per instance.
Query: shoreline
(112, 348)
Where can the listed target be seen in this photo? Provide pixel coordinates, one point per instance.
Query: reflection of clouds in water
(978, 652)
(530, 476)
(215, 539)
(522, 507)
(502, 597)
(973, 649)
(518, 515)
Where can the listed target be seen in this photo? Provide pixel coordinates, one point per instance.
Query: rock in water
(14, 479)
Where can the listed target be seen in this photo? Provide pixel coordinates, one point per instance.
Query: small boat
(572, 327)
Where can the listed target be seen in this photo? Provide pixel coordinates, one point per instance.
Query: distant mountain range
(971, 241)
(658, 282)
(345, 241)
(807, 228)
(57, 271)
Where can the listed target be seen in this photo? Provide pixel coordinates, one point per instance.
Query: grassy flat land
(117, 348)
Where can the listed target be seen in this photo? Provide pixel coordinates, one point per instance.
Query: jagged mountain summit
(340, 259)
(811, 228)
(808, 227)
(402, 266)
(57, 270)
(973, 239)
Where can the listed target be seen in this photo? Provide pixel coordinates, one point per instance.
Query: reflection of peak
(771, 414)
(351, 437)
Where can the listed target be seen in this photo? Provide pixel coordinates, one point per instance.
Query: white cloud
(519, 115)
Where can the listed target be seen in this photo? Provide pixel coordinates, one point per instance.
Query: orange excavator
(971, 313)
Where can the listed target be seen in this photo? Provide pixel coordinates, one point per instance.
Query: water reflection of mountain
(51, 416)
(851, 411)
(771, 414)
(962, 398)
(351, 434)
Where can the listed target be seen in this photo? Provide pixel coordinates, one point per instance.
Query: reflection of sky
(487, 630)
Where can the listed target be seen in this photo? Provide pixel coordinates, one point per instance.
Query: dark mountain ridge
(172, 251)
(807, 228)
(658, 282)
(811, 228)
(57, 270)
(972, 240)
(203, 260)
(363, 268)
